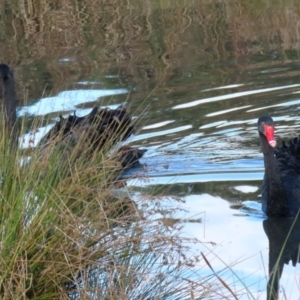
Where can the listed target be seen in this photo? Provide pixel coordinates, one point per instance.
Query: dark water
(197, 75)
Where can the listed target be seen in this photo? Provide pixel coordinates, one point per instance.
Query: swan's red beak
(269, 133)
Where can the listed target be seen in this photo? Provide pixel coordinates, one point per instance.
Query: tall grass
(66, 232)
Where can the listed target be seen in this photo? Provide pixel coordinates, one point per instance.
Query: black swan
(281, 184)
(9, 101)
(102, 127)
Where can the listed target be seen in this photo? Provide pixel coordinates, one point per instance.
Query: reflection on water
(284, 246)
(66, 101)
(205, 70)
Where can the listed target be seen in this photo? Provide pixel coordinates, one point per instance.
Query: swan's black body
(101, 127)
(281, 184)
(101, 124)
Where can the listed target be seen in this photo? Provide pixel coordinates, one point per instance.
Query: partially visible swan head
(5, 72)
(9, 100)
(266, 127)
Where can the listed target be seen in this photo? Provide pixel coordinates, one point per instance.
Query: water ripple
(233, 95)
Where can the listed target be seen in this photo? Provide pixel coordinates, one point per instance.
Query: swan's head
(265, 126)
(4, 71)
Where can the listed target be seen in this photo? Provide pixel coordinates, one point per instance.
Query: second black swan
(281, 184)
(102, 127)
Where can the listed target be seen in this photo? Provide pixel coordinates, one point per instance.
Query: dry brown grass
(66, 232)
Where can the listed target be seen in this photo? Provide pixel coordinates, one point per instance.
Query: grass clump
(67, 233)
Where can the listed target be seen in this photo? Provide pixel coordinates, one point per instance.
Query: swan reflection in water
(284, 241)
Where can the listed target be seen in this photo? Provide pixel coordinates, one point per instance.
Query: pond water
(197, 75)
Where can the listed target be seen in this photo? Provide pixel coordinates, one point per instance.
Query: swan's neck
(272, 172)
(276, 197)
(9, 103)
